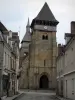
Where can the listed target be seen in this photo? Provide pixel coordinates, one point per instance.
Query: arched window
(45, 37)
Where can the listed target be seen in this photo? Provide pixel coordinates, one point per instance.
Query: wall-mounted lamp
(24, 54)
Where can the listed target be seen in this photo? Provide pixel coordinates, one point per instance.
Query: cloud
(12, 10)
(14, 14)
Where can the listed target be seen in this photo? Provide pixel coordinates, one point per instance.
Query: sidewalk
(38, 92)
(13, 97)
(60, 98)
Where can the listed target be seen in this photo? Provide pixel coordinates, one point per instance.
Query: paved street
(31, 95)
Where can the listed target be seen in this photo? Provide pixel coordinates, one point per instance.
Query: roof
(72, 38)
(14, 37)
(1, 37)
(61, 50)
(46, 14)
(2, 27)
(27, 36)
(15, 33)
(69, 35)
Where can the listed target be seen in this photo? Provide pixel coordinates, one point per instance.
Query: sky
(14, 14)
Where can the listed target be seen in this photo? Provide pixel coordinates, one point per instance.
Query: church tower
(26, 40)
(43, 48)
(24, 58)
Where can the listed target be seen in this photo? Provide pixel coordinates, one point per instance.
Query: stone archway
(44, 82)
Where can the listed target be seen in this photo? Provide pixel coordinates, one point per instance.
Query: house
(67, 65)
(9, 61)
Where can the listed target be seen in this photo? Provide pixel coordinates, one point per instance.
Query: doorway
(44, 82)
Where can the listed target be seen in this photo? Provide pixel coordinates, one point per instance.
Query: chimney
(67, 37)
(61, 49)
(73, 27)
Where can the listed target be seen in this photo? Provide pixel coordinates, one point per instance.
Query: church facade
(38, 52)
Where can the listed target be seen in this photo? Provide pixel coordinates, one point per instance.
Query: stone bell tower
(43, 47)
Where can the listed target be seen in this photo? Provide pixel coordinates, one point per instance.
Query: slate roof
(4, 32)
(46, 14)
(27, 36)
(69, 35)
(2, 27)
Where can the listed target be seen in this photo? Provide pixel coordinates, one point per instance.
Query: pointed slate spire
(28, 24)
(45, 15)
(28, 27)
(27, 36)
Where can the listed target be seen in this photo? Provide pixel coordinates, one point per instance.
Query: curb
(62, 98)
(19, 96)
(58, 98)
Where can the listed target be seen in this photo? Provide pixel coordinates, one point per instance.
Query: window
(5, 58)
(72, 49)
(11, 62)
(45, 37)
(44, 62)
(8, 60)
(73, 85)
(5, 82)
(66, 88)
(15, 64)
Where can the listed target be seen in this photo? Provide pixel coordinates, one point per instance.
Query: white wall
(69, 74)
(60, 66)
(70, 58)
(7, 55)
(69, 88)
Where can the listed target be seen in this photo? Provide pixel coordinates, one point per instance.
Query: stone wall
(23, 81)
(1, 66)
(42, 58)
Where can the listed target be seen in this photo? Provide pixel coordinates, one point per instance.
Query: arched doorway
(44, 82)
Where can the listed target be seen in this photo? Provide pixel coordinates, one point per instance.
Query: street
(37, 96)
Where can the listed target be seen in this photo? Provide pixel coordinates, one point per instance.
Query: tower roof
(28, 24)
(27, 36)
(46, 14)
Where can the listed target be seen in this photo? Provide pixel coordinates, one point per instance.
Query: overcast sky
(14, 14)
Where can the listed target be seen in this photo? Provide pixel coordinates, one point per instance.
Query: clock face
(45, 27)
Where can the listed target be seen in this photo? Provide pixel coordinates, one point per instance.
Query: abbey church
(38, 52)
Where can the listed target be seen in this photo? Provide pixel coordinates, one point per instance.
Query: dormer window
(45, 37)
